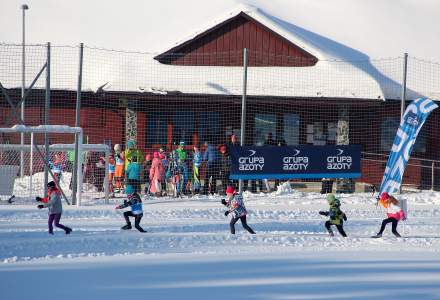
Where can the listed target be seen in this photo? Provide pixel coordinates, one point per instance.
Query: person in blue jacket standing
(211, 158)
(133, 173)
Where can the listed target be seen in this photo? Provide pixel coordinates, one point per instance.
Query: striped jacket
(134, 200)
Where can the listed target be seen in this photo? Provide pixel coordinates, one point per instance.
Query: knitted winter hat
(129, 189)
(384, 196)
(130, 144)
(51, 184)
(331, 198)
(230, 189)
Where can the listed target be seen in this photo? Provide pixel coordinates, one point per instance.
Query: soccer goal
(91, 172)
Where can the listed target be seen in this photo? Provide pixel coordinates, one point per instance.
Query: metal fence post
(243, 108)
(24, 7)
(77, 160)
(403, 96)
(47, 120)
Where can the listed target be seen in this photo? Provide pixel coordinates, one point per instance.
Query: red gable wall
(223, 46)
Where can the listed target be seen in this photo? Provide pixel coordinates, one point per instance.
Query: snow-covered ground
(188, 252)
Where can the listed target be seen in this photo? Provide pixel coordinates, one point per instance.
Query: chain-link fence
(161, 101)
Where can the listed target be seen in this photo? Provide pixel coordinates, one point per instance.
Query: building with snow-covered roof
(302, 87)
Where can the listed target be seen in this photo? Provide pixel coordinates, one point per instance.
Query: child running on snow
(394, 214)
(236, 206)
(135, 202)
(337, 216)
(53, 203)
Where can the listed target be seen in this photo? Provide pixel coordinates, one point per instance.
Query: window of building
(157, 128)
(209, 127)
(264, 124)
(183, 127)
(388, 132)
(291, 129)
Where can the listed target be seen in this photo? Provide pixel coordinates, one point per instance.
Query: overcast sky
(378, 28)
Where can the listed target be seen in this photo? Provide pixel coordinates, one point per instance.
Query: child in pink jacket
(157, 174)
(394, 213)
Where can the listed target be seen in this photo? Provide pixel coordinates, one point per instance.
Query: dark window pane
(291, 129)
(157, 128)
(183, 126)
(209, 127)
(264, 124)
(388, 132)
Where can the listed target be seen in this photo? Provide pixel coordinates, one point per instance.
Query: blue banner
(302, 161)
(415, 116)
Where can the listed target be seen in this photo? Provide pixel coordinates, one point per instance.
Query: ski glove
(224, 202)
(40, 206)
(38, 199)
(323, 213)
(227, 212)
(345, 217)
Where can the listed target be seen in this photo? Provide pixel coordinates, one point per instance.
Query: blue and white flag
(415, 116)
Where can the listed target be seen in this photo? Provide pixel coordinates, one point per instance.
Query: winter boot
(68, 230)
(379, 235)
(330, 233)
(126, 227)
(141, 229)
(396, 234)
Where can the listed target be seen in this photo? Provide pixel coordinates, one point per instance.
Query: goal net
(22, 167)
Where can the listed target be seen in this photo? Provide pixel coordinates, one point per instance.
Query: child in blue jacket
(135, 202)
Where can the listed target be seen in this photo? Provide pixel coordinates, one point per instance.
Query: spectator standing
(133, 174)
(120, 167)
(146, 172)
(197, 162)
(225, 167)
(111, 174)
(57, 167)
(211, 158)
(157, 175)
(182, 161)
(164, 160)
(131, 152)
